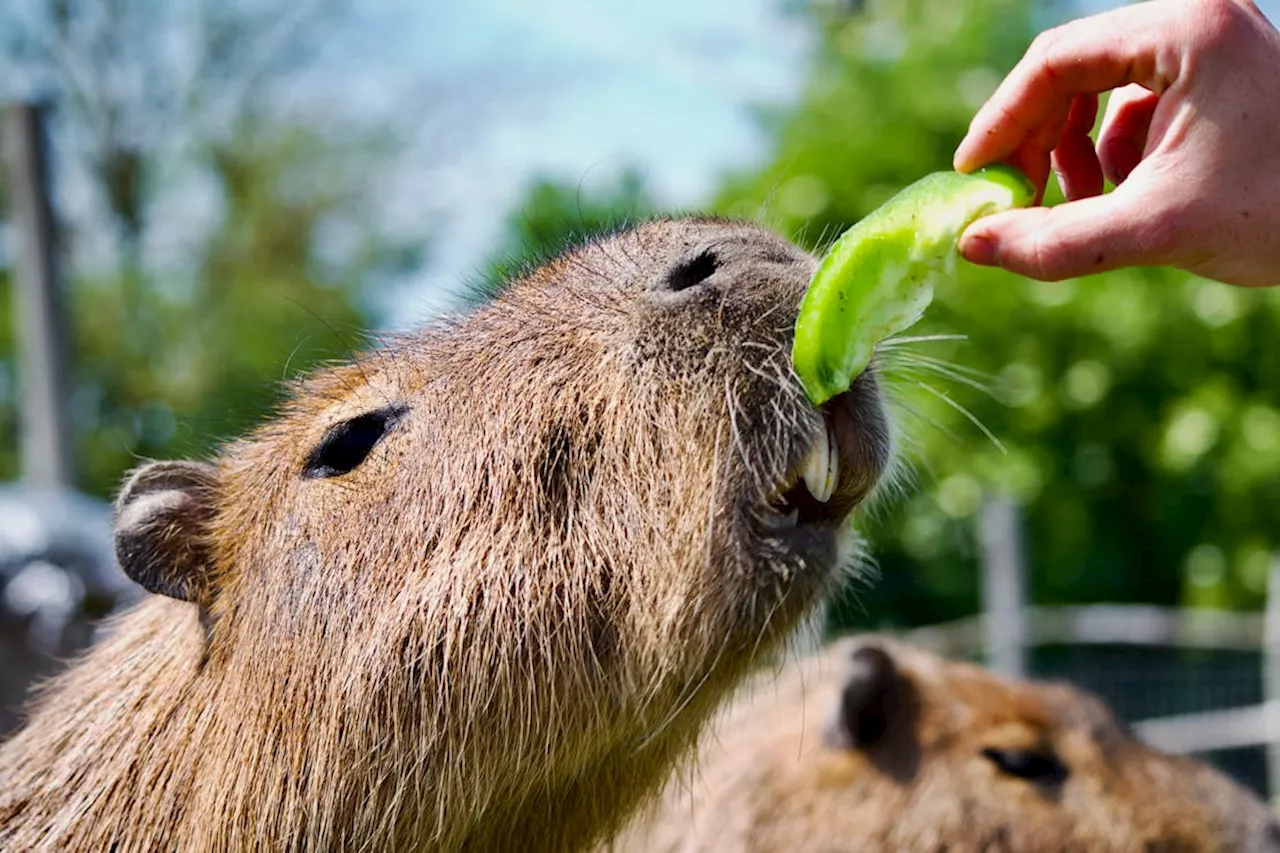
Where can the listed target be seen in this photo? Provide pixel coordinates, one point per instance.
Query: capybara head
(480, 586)
(877, 746)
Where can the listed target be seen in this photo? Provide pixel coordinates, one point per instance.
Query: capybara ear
(867, 701)
(161, 528)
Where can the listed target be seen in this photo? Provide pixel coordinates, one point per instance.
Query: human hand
(1191, 138)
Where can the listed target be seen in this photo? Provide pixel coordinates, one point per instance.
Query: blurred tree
(1138, 410)
(183, 109)
(267, 298)
(553, 215)
(146, 80)
(9, 468)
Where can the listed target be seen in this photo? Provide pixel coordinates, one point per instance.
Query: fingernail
(978, 249)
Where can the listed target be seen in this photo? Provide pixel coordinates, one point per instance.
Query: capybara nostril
(693, 271)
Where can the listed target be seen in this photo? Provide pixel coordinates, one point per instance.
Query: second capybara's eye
(349, 443)
(1035, 765)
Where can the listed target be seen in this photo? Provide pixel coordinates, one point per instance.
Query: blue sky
(580, 90)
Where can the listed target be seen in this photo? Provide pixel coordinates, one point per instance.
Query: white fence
(1008, 628)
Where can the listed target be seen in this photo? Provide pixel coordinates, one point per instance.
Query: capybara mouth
(839, 467)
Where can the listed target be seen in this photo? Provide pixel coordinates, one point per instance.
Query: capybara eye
(693, 271)
(1040, 766)
(349, 443)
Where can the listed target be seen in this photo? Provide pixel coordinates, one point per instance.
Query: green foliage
(891, 89)
(166, 368)
(168, 362)
(553, 216)
(1138, 412)
(1139, 409)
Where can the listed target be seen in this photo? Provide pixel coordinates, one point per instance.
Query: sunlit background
(244, 188)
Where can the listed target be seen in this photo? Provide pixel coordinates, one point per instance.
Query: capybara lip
(852, 446)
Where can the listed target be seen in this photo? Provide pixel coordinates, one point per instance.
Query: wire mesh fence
(1159, 684)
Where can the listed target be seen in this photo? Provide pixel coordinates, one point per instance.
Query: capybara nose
(694, 271)
(757, 273)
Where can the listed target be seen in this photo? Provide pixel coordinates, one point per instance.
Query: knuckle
(1044, 46)
(1055, 55)
(1220, 22)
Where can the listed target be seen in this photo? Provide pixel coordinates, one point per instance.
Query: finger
(1122, 141)
(1074, 160)
(1076, 238)
(1034, 163)
(1087, 56)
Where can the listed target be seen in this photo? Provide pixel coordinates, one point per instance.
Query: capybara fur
(876, 746)
(478, 589)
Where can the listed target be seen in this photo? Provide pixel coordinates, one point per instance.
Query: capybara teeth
(833, 462)
(822, 467)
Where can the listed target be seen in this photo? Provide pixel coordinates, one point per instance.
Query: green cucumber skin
(879, 276)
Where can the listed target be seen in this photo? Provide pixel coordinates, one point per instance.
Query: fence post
(39, 316)
(1271, 676)
(1004, 626)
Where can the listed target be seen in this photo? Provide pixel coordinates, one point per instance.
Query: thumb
(1082, 237)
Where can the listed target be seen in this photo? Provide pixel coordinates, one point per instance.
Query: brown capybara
(877, 746)
(478, 589)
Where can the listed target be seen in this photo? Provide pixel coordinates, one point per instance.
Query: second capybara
(478, 589)
(877, 746)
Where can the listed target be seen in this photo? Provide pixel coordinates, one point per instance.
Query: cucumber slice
(878, 277)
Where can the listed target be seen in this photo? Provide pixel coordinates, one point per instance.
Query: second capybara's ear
(868, 700)
(162, 516)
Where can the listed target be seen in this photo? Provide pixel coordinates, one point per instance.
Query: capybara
(877, 746)
(478, 589)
